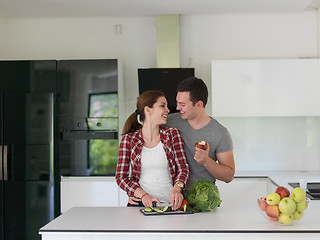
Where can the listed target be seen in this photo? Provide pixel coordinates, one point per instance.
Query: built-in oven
(88, 117)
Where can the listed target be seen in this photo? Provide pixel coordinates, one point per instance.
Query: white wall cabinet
(91, 191)
(278, 87)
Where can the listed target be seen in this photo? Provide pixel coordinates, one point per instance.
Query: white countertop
(244, 217)
(123, 219)
(282, 178)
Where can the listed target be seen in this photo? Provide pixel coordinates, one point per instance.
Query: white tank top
(154, 177)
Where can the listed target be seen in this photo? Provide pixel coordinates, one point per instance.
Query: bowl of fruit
(284, 207)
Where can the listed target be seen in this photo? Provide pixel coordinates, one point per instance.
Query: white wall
(203, 38)
(246, 36)
(84, 38)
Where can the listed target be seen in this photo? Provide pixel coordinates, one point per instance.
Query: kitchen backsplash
(275, 143)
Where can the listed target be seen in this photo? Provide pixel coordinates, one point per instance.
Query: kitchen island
(238, 217)
(232, 222)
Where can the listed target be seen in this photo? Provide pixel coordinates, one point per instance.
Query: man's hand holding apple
(202, 153)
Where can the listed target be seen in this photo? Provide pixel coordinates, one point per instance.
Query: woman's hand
(147, 200)
(134, 200)
(176, 197)
(143, 197)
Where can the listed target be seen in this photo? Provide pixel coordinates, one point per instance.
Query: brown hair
(197, 88)
(147, 98)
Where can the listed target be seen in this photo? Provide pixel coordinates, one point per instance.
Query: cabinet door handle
(4, 162)
(1, 172)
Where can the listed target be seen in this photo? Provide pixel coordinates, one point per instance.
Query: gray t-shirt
(214, 133)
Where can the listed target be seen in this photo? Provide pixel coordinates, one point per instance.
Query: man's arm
(223, 169)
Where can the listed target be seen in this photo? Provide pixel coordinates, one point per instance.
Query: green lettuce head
(203, 196)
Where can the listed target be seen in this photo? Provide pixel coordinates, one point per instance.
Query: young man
(216, 162)
(194, 124)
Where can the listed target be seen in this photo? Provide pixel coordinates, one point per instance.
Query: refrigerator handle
(4, 162)
(1, 173)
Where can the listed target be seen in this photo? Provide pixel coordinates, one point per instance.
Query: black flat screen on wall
(165, 80)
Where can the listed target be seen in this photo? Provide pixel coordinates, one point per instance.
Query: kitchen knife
(160, 204)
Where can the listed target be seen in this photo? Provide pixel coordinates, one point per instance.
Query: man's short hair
(197, 88)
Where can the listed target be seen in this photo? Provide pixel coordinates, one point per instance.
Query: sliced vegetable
(184, 202)
(187, 208)
(167, 209)
(158, 210)
(148, 209)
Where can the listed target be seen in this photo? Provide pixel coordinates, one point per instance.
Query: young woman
(152, 165)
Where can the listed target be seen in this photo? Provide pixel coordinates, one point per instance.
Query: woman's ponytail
(132, 124)
(147, 98)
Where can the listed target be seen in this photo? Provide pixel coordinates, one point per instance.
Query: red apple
(272, 211)
(201, 145)
(283, 192)
(273, 219)
(263, 203)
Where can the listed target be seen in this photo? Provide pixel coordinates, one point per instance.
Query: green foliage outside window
(103, 156)
(104, 109)
(103, 153)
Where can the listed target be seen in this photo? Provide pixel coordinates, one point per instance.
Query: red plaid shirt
(130, 156)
